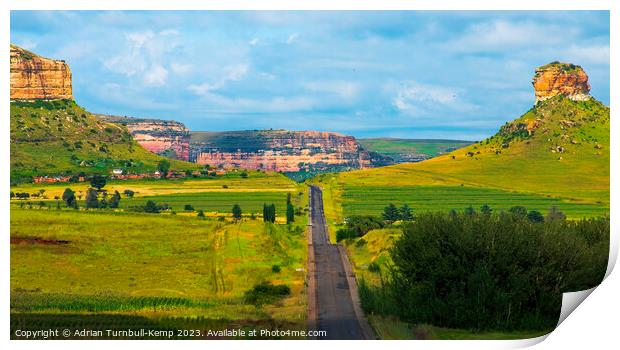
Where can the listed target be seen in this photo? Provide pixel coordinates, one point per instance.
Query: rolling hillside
(558, 150)
(411, 150)
(59, 137)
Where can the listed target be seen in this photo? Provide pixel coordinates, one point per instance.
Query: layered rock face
(164, 137)
(37, 78)
(281, 150)
(558, 78)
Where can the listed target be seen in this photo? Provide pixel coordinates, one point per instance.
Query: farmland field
(167, 270)
(232, 182)
(126, 269)
(370, 200)
(215, 201)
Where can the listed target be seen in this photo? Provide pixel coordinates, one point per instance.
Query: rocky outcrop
(164, 137)
(281, 150)
(37, 78)
(564, 79)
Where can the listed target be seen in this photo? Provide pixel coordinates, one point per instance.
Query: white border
(594, 324)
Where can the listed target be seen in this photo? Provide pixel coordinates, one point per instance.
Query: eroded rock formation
(164, 137)
(557, 78)
(37, 78)
(282, 150)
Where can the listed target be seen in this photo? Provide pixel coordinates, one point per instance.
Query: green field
(163, 269)
(370, 200)
(402, 150)
(127, 269)
(215, 201)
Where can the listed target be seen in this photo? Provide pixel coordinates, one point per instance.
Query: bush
(374, 267)
(188, 207)
(345, 233)
(266, 293)
(496, 272)
(275, 268)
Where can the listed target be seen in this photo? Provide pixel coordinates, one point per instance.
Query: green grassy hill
(408, 150)
(556, 153)
(60, 137)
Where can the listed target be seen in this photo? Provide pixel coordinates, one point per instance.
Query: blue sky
(411, 74)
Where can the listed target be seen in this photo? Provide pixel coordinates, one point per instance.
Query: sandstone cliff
(557, 78)
(282, 150)
(37, 78)
(164, 137)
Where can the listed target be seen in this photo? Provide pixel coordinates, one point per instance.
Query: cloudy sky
(419, 74)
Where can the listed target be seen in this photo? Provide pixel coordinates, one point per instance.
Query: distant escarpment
(282, 150)
(37, 78)
(564, 79)
(164, 137)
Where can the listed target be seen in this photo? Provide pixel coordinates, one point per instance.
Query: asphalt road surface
(335, 311)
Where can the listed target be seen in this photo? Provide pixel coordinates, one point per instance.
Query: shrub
(266, 293)
(374, 267)
(188, 207)
(275, 268)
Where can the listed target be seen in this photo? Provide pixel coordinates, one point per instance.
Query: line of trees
(489, 271)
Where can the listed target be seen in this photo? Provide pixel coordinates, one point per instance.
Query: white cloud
(167, 32)
(412, 96)
(181, 68)
(499, 34)
(595, 54)
(344, 89)
(231, 73)
(28, 44)
(145, 56)
(139, 39)
(292, 38)
(253, 42)
(276, 104)
(156, 76)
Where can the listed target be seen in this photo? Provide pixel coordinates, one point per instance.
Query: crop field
(370, 200)
(166, 271)
(232, 182)
(215, 201)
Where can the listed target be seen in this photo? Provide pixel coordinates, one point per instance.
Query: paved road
(335, 309)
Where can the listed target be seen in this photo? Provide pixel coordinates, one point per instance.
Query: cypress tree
(290, 213)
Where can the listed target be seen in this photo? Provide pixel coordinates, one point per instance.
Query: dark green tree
(188, 207)
(470, 211)
(115, 200)
(405, 213)
(391, 213)
(98, 181)
(201, 213)
(68, 196)
(163, 166)
(518, 211)
(535, 216)
(290, 213)
(151, 207)
(237, 212)
(486, 210)
(269, 213)
(92, 199)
